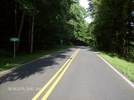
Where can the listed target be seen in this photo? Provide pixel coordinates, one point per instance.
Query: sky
(84, 3)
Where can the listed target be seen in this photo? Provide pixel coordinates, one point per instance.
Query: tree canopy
(112, 26)
(43, 22)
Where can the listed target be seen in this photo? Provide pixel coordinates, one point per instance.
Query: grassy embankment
(125, 65)
(10, 62)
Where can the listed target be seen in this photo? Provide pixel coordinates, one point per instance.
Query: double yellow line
(58, 75)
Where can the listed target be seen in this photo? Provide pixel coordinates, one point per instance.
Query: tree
(78, 23)
(53, 20)
(26, 6)
(110, 24)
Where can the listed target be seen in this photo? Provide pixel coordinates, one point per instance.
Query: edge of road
(117, 71)
(11, 69)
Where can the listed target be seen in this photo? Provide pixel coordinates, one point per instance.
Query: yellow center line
(49, 82)
(58, 79)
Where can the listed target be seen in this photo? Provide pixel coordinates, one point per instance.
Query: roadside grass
(10, 62)
(126, 66)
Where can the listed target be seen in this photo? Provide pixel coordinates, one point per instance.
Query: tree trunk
(32, 30)
(20, 28)
(15, 17)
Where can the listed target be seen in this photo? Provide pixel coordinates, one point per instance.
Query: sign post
(14, 50)
(61, 41)
(14, 40)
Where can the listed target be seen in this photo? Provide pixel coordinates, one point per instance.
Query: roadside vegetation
(112, 32)
(10, 62)
(42, 25)
(124, 65)
(39, 25)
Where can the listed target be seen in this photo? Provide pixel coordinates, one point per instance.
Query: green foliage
(53, 20)
(27, 6)
(111, 27)
(78, 23)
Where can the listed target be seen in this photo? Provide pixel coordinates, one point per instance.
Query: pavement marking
(58, 79)
(64, 68)
(127, 80)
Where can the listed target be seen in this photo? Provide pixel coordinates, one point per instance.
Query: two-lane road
(73, 74)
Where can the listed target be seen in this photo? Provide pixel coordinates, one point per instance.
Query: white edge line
(128, 81)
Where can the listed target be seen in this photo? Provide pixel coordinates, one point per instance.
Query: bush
(5, 53)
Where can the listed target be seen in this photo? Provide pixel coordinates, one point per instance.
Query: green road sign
(14, 39)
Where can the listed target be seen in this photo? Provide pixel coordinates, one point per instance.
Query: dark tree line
(112, 28)
(40, 24)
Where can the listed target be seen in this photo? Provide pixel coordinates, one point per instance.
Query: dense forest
(112, 29)
(42, 24)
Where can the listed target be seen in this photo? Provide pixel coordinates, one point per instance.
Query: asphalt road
(79, 75)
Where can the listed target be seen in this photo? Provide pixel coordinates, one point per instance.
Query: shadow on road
(37, 66)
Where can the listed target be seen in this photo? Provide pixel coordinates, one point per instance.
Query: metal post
(14, 49)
